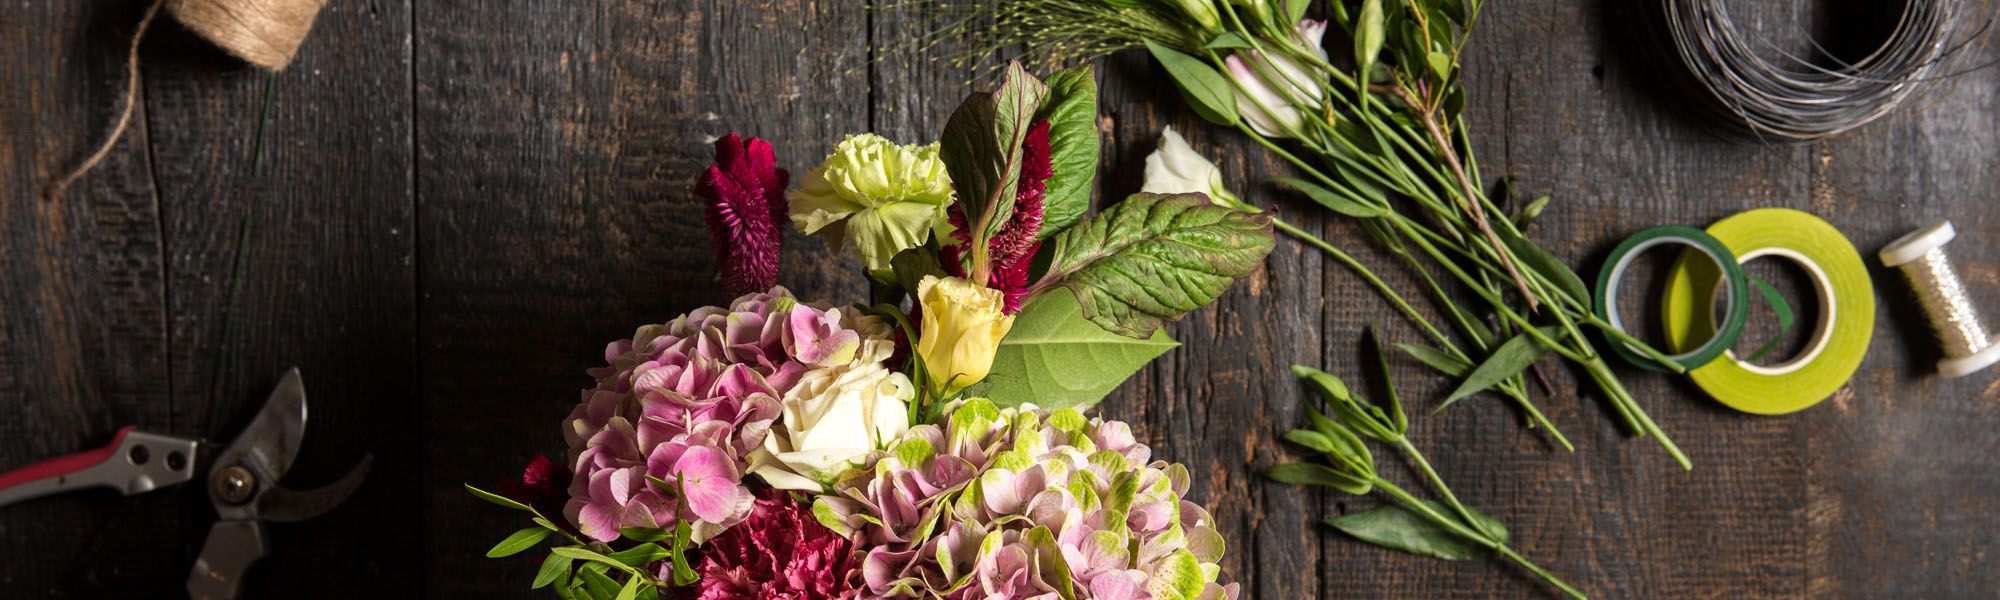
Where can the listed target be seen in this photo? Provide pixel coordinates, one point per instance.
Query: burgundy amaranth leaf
(1012, 250)
(745, 193)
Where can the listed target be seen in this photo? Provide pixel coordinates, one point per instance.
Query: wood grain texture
(450, 206)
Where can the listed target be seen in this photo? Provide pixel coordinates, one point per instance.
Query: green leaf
(1534, 209)
(913, 264)
(554, 568)
(1440, 64)
(640, 555)
(683, 540)
(1783, 311)
(1206, 90)
(1227, 40)
(1312, 440)
(497, 499)
(642, 534)
(1296, 9)
(583, 554)
(981, 148)
(1153, 258)
(1399, 421)
(1440, 360)
(597, 584)
(1055, 358)
(1507, 360)
(1396, 527)
(1316, 474)
(1548, 265)
(521, 540)
(1367, 39)
(630, 591)
(1071, 111)
(1332, 201)
(1330, 388)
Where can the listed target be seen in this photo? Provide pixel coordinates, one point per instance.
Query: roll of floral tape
(1846, 301)
(1699, 243)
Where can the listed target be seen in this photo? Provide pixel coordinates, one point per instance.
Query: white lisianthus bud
(1175, 168)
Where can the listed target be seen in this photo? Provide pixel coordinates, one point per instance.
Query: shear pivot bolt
(235, 484)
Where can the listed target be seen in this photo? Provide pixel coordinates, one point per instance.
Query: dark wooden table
(444, 209)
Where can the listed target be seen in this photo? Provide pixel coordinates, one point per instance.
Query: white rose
(833, 420)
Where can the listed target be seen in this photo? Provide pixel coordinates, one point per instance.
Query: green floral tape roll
(1840, 337)
(1699, 243)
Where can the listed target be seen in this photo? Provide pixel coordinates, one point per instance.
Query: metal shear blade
(243, 488)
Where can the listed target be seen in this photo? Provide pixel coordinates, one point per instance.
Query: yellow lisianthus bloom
(962, 326)
(884, 197)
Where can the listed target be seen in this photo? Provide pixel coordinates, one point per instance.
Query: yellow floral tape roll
(1840, 338)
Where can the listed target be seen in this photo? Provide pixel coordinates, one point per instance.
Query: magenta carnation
(745, 194)
(779, 553)
(689, 401)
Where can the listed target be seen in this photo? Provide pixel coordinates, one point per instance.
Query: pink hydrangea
(689, 401)
(1024, 504)
(779, 553)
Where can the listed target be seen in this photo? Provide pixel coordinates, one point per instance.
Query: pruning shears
(241, 480)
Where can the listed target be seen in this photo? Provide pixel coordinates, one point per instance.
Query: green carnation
(884, 197)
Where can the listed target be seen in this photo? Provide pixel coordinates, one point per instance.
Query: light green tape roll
(1840, 338)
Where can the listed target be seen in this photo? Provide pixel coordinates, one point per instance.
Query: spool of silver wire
(1968, 345)
(1774, 95)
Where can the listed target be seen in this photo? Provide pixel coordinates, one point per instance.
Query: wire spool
(1968, 347)
(1770, 95)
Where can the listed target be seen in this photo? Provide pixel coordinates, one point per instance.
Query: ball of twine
(265, 33)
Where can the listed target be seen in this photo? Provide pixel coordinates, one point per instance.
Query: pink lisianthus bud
(745, 193)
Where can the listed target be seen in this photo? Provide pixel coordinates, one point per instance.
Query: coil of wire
(1774, 95)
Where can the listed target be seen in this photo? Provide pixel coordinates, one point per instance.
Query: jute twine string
(265, 33)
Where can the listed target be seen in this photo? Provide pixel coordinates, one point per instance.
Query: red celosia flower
(745, 192)
(781, 552)
(1012, 250)
(543, 485)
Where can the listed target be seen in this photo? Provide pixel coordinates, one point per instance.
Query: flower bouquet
(931, 443)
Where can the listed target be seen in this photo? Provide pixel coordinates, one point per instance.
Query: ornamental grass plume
(745, 195)
(1015, 503)
(690, 400)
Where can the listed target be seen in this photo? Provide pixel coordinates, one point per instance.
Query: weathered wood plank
(289, 216)
(83, 339)
(557, 150)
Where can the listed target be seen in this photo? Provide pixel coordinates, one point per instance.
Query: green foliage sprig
(583, 570)
(1448, 530)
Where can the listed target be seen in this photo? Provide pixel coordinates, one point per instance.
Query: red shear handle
(63, 465)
